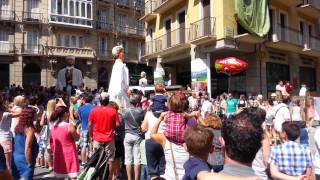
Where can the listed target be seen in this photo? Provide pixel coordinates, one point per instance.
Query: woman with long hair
(25, 146)
(45, 160)
(63, 146)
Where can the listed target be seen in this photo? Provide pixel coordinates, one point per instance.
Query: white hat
(116, 50)
(273, 95)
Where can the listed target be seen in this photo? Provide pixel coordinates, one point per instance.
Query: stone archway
(103, 78)
(31, 74)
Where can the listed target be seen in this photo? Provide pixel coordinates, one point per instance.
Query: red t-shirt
(104, 120)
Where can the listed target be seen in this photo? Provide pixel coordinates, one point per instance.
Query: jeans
(317, 176)
(304, 138)
(155, 158)
(144, 172)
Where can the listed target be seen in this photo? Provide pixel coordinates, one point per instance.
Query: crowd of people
(161, 135)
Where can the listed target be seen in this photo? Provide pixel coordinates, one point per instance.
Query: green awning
(253, 15)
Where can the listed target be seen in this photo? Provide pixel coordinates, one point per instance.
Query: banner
(199, 75)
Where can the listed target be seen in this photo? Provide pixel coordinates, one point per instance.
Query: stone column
(16, 69)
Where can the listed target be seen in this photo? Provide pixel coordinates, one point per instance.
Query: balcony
(285, 38)
(310, 8)
(311, 46)
(131, 31)
(149, 6)
(162, 6)
(150, 47)
(7, 15)
(105, 27)
(202, 31)
(7, 48)
(66, 51)
(32, 49)
(33, 17)
(65, 20)
(173, 41)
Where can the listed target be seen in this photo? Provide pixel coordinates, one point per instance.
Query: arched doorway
(31, 74)
(103, 79)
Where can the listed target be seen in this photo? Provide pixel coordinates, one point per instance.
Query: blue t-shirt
(159, 103)
(193, 166)
(84, 112)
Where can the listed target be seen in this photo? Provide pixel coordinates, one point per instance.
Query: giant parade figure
(69, 78)
(119, 81)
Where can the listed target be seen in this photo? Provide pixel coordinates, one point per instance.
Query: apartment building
(185, 37)
(37, 35)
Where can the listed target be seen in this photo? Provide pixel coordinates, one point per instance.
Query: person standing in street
(102, 122)
(231, 105)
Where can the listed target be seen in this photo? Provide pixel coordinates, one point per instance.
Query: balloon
(230, 65)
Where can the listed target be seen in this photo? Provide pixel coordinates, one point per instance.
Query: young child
(199, 144)
(159, 101)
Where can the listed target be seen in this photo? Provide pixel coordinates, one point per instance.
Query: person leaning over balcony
(69, 78)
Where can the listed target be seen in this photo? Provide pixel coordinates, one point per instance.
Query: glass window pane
(73, 41)
(89, 11)
(67, 41)
(77, 9)
(59, 7)
(54, 6)
(71, 8)
(81, 42)
(83, 10)
(65, 9)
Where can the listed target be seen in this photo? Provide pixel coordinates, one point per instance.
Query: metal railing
(287, 34)
(7, 15)
(32, 17)
(36, 49)
(104, 26)
(7, 48)
(131, 30)
(202, 28)
(104, 54)
(170, 39)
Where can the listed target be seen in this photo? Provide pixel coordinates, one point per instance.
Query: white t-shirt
(303, 91)
(280, 88)
(5, 125)
(281, 114)
(296, 113)
(151, 121)
(206, 107)
(316, 154)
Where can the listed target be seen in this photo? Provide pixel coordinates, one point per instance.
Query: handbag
(140, 132)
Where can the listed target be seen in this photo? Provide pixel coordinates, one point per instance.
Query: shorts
(84, 139)
(6, 145)
(109, 147)
(132, 149)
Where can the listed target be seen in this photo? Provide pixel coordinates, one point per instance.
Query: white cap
(273, 95)
(116, 50)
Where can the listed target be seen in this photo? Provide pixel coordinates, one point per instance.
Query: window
(103, 49)
(59, 7)
(77, 9)
(67, 41)
(65, 8)
(89, 11)
(54, 6)
(122, 22)
(32, 41)
(275, 73)
(83, 10)
(308, 77)
(59, 40)
(71, 8)
(4, 36)
(81, 45)
(73, 41)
